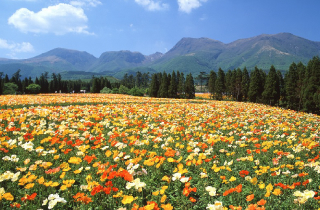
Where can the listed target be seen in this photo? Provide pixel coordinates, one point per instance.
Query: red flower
(192, 199)
(107, 190)
(243, 173)
(109, 184)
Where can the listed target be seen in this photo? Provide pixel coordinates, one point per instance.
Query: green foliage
(123, 89)
(115, 90)
(154, 86)
(256, 87)
(245, 83)
(10, 88)
(181, 84)
(163, 89)
(211, 82)
(136, 92)
(271, 93)
(106, 90)
(238, 85)
(220, 87)
(312, 86)
(34, 88)
(189, 87)
(173, 87)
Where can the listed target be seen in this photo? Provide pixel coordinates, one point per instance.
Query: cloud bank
(16, 47)
(59, 19)
(188, 5)
(85, 3)
(152, 5)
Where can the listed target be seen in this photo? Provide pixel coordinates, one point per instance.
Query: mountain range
(189, 55)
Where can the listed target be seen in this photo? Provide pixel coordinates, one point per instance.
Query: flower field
(99, 151)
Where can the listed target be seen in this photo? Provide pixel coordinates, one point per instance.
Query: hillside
(189, 55)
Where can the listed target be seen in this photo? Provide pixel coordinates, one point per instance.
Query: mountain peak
(189, 55)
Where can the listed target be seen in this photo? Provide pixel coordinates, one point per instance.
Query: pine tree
(95, 88)
(233, 84)
(220, 84)
(311, 94)
(228, 83)
(163, 89)
(238, 85)
(25, 84)
(291, 79)
(1, 83)
(211, 83)
(6, 79)
(154, 86)
(257, 80)
(189, 87)
(245, 83)
(145, 80)
(173, 88)
(281, 88)
(203, 77)
(181, 83)
(271, 93)
(138, 79)
(301, 83)
(43, 82)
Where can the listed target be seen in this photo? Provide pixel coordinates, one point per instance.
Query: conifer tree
(6, 79)
(238, 85)
(271, 93)
(1, 83)
(163, 89)
(189, 87)
(228, 83)
(211, 83)
(154, 86)
(257, 80)
(311, 93)
(159, 77)
(43, 82)
(245, 83)
(95, 88)
(168, 82)
(301, 83)
(181, 83)
(220, 84)
(291, 79)
(281, 90)
(138, 79)
(172, 92)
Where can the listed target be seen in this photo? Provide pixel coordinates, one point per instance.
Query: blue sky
(31, 27)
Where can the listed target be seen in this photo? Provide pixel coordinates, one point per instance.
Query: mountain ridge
(189, 55)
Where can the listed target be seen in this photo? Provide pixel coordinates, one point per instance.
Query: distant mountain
(77, 59)
(280, 50)
(189, 55)
(115, 61)
(54, 61)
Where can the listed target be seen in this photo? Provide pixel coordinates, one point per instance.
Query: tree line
(43, 84)
(173, 85)
(299, 89)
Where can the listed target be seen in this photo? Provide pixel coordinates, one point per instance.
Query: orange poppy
(250, 197)
(262, 202)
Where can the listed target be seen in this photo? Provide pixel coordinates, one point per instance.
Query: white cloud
(16, 47)
(82, 3)
(152, 5)
(58, 19)
(188, 5)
